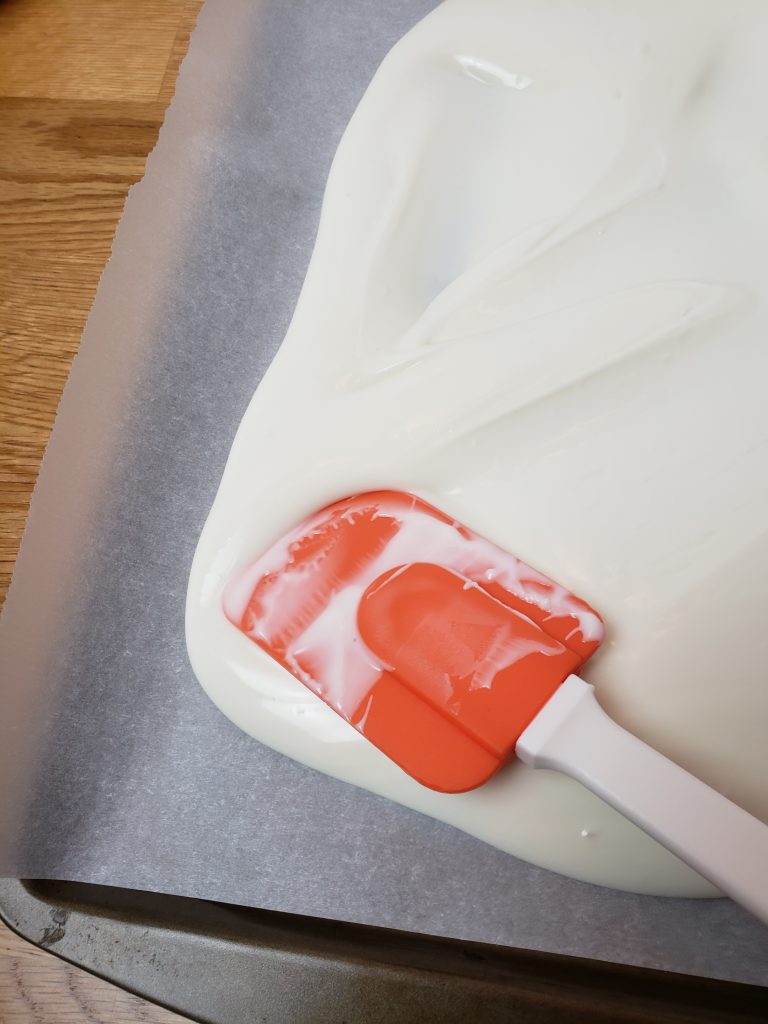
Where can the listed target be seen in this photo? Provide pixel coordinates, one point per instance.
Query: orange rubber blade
(435, 644)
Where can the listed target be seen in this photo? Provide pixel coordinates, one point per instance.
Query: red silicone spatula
(452, 656)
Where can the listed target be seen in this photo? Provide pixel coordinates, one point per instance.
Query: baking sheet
(116, 767)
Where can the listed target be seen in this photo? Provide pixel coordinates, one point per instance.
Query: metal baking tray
(224, 964)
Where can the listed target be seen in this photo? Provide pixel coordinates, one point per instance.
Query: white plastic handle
(721, 841)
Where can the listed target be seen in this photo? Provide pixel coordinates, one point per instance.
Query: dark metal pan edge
(224, 964)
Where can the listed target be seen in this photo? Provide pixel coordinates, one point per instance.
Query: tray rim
(535, 986)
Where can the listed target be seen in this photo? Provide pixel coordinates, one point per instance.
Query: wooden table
(83, 88)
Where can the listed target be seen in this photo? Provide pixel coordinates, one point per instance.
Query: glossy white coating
(539, 299)
(573, 734)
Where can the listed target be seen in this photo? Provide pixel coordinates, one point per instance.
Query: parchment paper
(116, 767)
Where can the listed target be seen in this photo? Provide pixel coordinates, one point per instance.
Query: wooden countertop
(83, 88)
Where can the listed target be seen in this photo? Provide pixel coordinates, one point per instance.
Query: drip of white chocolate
(539, 298)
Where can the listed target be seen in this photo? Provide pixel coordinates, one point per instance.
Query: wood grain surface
(83, 88)
(37, 987)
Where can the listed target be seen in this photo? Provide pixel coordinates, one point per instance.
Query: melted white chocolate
(539, 299)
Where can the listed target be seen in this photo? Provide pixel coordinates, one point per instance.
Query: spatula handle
(717, 838)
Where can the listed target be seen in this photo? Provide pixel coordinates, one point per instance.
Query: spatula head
(435, 644)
